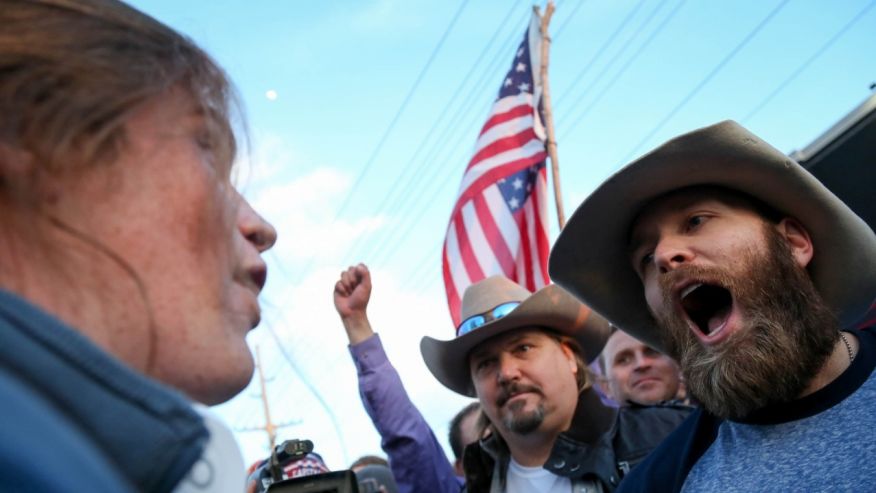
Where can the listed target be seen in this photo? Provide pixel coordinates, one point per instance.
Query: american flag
(499, 223)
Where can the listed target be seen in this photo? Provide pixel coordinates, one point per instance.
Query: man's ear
(570, 357)
(798, 240)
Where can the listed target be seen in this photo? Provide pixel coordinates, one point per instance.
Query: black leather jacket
(598, 464)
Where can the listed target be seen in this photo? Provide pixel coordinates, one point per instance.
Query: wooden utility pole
(269, 425)
(551, 143)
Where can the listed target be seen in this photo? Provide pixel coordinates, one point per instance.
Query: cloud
(303, 316)
(302, 207)
(300, 311)
(303, 212)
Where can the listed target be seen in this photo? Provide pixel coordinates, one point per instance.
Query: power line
(440, 145)
(705, 81)
(622, 71)
(568, 18)
(410, 172)
(392, 124)
(808, 62)
(616, 58)
(312, 390)
(600, 51)
(401, 109)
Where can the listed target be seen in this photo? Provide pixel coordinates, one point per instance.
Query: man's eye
(483, 364)
(696, 221)
(646, 259)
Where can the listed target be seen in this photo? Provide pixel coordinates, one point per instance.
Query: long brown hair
(72, 70)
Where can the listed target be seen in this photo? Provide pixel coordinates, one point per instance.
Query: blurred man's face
(732, 298)
(525, 381)
(638, 373)
(468, 433)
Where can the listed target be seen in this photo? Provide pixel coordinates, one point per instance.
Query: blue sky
(346, 177)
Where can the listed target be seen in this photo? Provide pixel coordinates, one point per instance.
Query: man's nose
(509, 369)
(642, 362)
(256, 229)
(670, 253)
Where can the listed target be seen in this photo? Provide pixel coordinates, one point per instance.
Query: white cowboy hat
(550, 307)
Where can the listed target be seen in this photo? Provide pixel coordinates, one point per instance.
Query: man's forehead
(505, 338)
(681, 200)
(620, 340)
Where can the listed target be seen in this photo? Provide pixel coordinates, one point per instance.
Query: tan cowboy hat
(550, 307)
(590, 257)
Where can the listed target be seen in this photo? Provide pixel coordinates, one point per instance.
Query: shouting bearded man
(730, 257)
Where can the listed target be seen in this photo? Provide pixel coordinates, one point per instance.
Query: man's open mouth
(707, 306)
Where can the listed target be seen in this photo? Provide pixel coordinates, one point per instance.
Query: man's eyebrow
(620, 353)
(478, 354)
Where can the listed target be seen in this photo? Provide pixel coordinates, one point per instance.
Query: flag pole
(551, 143)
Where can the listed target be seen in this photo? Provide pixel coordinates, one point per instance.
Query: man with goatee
(730, 257)
(524, 356)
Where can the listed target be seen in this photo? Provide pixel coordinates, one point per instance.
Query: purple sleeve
(415, 456)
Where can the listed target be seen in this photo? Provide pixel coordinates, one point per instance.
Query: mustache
(511, 389)
(710, 275)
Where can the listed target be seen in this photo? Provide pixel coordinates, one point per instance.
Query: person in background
(524, 356)
(636, 373)
(374, 475)
(130, 267)
(368, 460)
(375, 478)
(465, 429)
(727, 255)
(416, 458)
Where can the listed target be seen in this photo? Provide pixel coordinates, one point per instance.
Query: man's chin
(523, 421)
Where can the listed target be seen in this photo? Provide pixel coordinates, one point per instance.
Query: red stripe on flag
(527, 254)
(453, 299)
(523, 109)
(465, 251)
(499, 146)
(541, 237)
(494, 236)
(494, 175)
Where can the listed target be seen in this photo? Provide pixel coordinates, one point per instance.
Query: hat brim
(590, 256)
(551, 308)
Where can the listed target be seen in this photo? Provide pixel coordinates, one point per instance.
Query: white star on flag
(520, 53)
(518, 183)
(523, 87)
(521, 67)
(514, 203)
(508, 82)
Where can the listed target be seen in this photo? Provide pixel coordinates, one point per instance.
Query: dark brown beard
(787, 334)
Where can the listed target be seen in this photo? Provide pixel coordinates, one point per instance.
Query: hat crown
(493, 291)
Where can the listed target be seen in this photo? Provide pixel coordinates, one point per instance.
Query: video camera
(270, 478)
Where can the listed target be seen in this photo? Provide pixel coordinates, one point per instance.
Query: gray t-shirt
(832, 450)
